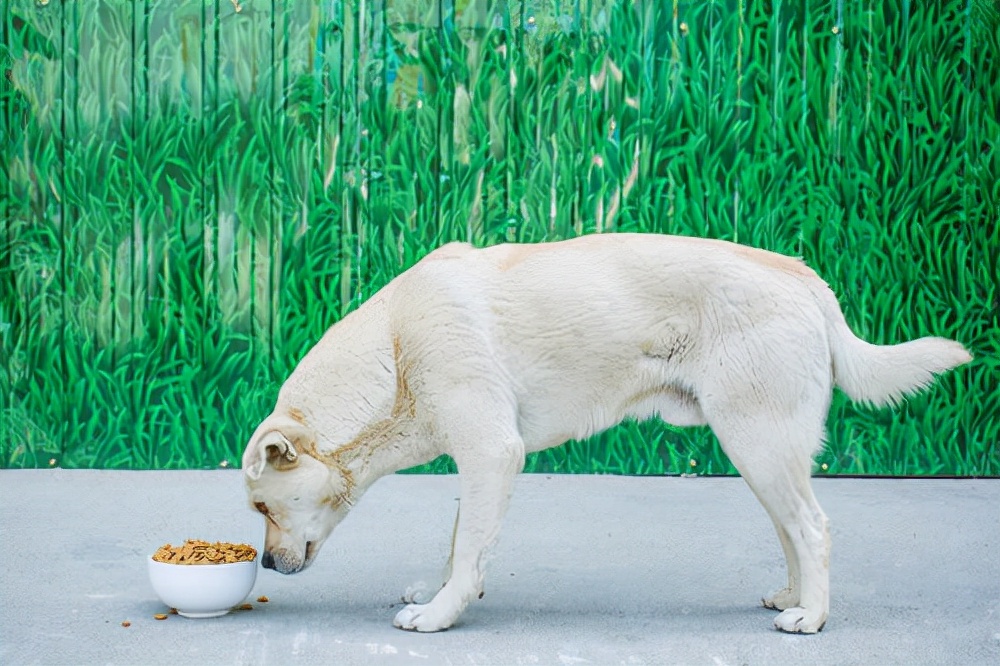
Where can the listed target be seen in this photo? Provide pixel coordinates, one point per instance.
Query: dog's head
(301, 497)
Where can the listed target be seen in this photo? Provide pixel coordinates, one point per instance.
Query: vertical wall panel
(9, 116)
(34, 78)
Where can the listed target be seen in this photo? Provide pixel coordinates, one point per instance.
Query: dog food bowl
(202, 590)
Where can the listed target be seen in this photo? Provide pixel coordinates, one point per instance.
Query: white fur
(487, 355)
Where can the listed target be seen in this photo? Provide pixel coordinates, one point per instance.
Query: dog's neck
(388, 446)
(351, 395)
(347, 380)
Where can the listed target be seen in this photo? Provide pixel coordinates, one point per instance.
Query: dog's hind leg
(772, 451)
(768, 408)
(788, 596)
(487, 467)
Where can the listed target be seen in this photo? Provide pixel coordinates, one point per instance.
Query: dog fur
(489, 354)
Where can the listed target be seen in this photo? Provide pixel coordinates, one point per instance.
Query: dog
(489, 354)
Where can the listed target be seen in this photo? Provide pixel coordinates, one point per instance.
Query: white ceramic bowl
(202, 590)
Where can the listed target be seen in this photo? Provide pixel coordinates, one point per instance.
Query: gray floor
(598, 570)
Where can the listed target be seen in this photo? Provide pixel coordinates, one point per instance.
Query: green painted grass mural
(194, 190)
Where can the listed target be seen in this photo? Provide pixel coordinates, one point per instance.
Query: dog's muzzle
(285, 561)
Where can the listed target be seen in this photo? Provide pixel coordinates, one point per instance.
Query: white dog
(489, 354)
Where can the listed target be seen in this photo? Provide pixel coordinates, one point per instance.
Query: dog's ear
(270, 444)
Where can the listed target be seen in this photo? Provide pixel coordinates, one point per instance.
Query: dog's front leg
(486, 479)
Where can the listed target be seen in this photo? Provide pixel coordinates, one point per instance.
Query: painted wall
(194, 191)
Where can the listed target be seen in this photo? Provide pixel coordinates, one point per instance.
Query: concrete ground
(589, 570)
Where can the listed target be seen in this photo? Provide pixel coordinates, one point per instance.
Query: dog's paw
(424, 618)
(781, 600)
(798, 620)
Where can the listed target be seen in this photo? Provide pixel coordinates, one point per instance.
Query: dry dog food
(263, 599)
(202, 552)
(160, 616)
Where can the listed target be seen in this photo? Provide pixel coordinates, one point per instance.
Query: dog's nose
(267, 560)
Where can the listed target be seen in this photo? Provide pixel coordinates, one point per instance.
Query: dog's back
(588, 331)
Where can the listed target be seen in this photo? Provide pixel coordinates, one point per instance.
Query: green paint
(192, 194)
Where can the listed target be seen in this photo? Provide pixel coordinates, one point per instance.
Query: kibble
(263, 599)
(126, 623)
(160, 616)
(245, 607)
(203, 552)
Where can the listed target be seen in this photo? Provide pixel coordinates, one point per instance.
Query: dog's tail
(884, 374)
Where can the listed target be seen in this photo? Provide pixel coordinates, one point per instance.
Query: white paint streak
(254, 647)
(297, 642)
